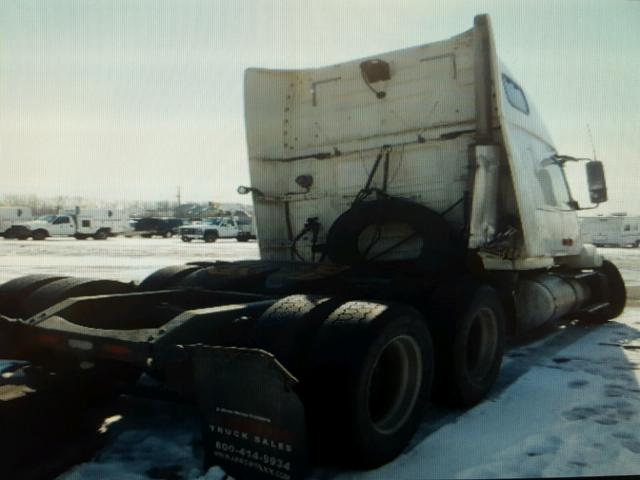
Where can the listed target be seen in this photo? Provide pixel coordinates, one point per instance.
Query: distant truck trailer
(616, 230)
(79, 223)
(10, 216)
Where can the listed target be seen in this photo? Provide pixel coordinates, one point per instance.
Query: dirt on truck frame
(379, 290)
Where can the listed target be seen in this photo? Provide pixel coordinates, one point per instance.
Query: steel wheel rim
(394, 384)
(482, 344)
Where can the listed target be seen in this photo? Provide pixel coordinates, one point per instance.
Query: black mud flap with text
(254, 422)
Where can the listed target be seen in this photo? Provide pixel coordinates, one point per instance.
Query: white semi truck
(412, 213)
(81, 223)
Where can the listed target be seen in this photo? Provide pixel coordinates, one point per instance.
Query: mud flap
(254, 423)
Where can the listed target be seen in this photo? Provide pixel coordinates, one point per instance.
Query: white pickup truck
(211, 229)
(96, 223)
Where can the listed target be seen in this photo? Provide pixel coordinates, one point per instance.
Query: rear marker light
(48, 339)
(117, 350)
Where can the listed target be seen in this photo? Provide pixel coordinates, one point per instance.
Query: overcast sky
(129, 99)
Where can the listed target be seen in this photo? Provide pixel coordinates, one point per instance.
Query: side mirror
(596, 181)
(242, 190)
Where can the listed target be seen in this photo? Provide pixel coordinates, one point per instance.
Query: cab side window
(515, 95)
(60, 220)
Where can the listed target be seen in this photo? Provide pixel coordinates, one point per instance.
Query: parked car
(163, 227)
(11, 216)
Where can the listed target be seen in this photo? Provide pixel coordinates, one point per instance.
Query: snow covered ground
(567, 402)
(117, 258)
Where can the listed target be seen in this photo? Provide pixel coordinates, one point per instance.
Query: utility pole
(178, 196)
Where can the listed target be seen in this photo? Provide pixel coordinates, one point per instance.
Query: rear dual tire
(366, 371)
(56, 291)
(367, 368)
(372, 376)
(166, 277)
(15, 291)
(469, 334)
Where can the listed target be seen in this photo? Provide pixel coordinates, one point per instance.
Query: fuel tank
(547, 297)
